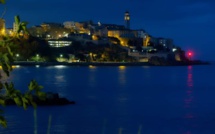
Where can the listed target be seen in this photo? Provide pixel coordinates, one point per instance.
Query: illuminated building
(146, 40)
(50, 31)
(2, 26)
(15, 27)
(78, 27)
(9, 31)
(124, 34)
(59, 42)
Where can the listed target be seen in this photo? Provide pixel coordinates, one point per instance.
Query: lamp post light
(61, 58)
(37, 57)
(17, 56)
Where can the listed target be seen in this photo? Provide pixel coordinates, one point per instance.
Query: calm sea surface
(118, 100)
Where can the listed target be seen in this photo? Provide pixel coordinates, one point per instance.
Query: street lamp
(17, 56)
(37, 57)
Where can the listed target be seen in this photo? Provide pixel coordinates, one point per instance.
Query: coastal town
(87, 41)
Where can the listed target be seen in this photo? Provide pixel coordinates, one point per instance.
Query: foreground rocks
(50, 100)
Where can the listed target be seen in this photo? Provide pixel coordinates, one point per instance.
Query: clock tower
(127, 20)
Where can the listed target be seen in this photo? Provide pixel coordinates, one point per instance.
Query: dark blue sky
(190, 23)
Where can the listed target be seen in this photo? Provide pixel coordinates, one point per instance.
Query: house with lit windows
(63, 42)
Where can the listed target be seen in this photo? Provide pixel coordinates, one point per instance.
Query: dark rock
(50, 100)
(50, 96)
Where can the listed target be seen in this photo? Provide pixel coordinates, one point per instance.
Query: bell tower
(127, 20)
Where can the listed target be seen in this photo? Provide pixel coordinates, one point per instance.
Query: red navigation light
(190, 54)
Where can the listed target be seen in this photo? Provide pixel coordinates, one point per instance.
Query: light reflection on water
(188, 101)
(189, 92)
(189, 77)
(60, 66)
(91, 77)
(60, 78)
(122, 75)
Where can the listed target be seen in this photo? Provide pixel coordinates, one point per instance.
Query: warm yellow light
(127, 18)
(3, 31)
(81, 32)
(94, 37)
(14, 66)
(92, 67)
(122, 67)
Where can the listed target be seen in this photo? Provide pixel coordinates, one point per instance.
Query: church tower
(127, 20)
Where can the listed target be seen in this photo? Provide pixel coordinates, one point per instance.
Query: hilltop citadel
(138, 44)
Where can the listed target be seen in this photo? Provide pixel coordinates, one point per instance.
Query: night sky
(190, 23)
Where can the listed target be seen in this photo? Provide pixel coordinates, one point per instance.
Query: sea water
(118, 100)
